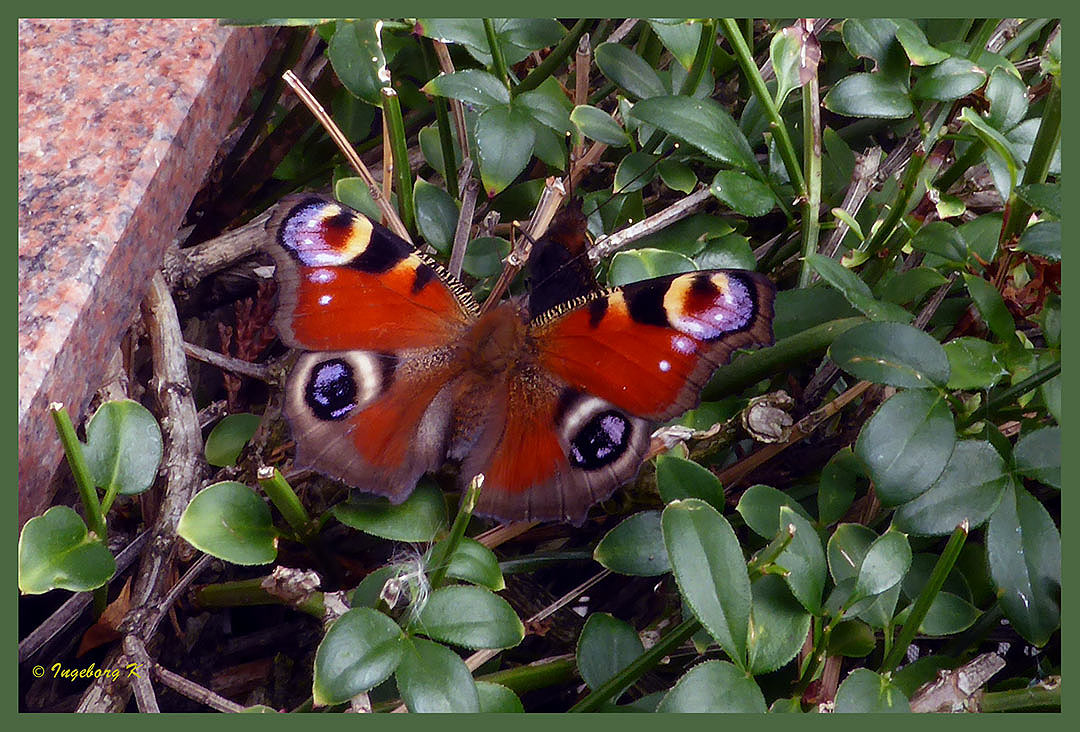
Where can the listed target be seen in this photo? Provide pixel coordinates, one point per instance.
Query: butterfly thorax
(497, 342)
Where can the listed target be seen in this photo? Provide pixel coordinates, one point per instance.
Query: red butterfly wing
(649, 347)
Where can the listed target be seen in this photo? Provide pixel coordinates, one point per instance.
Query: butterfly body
(401, 371)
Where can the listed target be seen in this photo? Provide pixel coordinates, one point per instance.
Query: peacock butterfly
(551, 397)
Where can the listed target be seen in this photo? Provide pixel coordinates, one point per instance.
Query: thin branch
(605, 246)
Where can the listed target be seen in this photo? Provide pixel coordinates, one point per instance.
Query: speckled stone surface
(119, 121)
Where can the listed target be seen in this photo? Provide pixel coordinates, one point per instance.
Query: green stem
(811, 225)
(1014, 392)
(497, 61)
(1027, 33)
(395, 126)
(440, 559)
(249, 592)
(908, 186)
(751, 368)
(647, 660)
(76, 459)
(982, 36)
(442, 119)
(953, 173)
(288, 503)
(757, 84)
(547, 67)
(533, 676)
(925, 599)
(1038, 165)
(1044, 697)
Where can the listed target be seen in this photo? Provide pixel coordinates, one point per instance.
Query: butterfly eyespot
(601, 441)
(331, 390)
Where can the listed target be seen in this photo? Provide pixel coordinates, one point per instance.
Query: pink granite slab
(118, 122)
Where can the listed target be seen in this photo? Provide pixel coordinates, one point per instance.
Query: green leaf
(635, 171)
(57, 552)
(484, 256)
(1008, 100)
(422, 517)
(869, 95)
(229, 521)
(910, 286)
(864, 691)
(906, 444)
(992, 308)
(876, 39)
(981, 235)
(727, 252)
(432, 678)
(635, 547)
(855, 291)
(356, 54)
(681, 38)
(883, 566)
(702, 123)
(228, 438)
(1023, 547)
(891, 353)
(369, 591)
(847, 547)
(951, 79)
(918, 49)
(635, 265)
(942, 239)
(838, 486)
(1043, 239)
(678, 478)
(804, 560)
(354, 193)
(359, 651)
(948, 615)
(628, 71)
(471, 86)
(605, 647)
(968, 490)
(972, 364)
(677, 176)
(853, 639)
(596, 124)
(497, 699)
(548, 105)
(996, 142)
(123, 447)
(760, 507)
(1038, 456)
(710, 570)
(785, 54)
(778, 625)
(470, 617)
(1045, 197)
(504, 141)
(473, 562)
(741, 193)
(714, 687)
(436, 214)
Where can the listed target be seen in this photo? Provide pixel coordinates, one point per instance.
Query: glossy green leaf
(475, 563)
(369, 591)
(359, 651)
(677, 176)
(635, 171)
(785, 55)
(123, 447)
(855, 291)
(354, 193)
(497, 699)
(433, 679)
(992, 308)
(741, 193)
(422, 517)
(702, 123)
(804, 560)
(596, 124)
(635, 547)
(470, 617)
(942, 239)
(1045, 197)
(628, 71)
(838, 486)
(906, 444)
(884, 565)
(710, 571)
(229, 521)
(727, 252)
(471, 86)
(981, 235)
(504, 141)
(548, 105)
(1008, 100)
(948, 615)
(868, 95)
(228, 438)
(605, 647)
(864, 691)
(968, 490)
(57, 551)
(1043, 239)
(436, 214)
(996, 143)
(635, 265)
(355, 52)
(876, 39)
(714, 687)
(778, 625)
(1038, 456)
(484, 256)
(853, 639)
(678, 478)
(760, 507)
(951, 79)
(891, 353)
(1024, 550)
(918, 49)
(973, 364)
(679, 37)
(846, 549)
